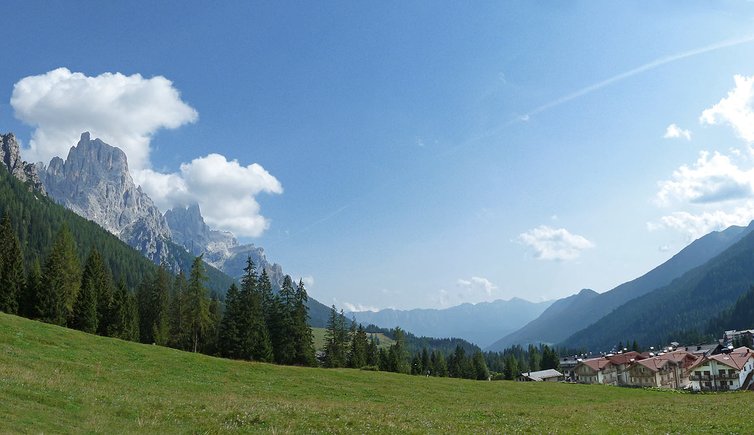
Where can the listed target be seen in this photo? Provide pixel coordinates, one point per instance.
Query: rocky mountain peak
(10, 156)
(189, 230)
(94, 182)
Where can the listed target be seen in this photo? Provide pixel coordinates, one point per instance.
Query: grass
(58, 380)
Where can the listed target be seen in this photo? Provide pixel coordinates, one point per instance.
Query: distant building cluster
(712, 367)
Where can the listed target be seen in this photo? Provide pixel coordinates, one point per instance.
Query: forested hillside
(678, 310)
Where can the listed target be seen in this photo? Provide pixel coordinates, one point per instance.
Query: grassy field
(58, 380)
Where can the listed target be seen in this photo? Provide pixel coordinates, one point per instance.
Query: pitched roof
(624, 358)
(737, 358)
(596, 364)
(542, 374)
(678, 356)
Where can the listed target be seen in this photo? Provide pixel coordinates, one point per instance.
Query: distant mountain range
(604, 312)
(478, 323)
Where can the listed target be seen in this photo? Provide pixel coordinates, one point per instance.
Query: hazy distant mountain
(684, 306)
(478, 323)
(563, 320)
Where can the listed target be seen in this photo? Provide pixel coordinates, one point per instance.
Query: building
(549, 375)
(703, 349)
(622, 362)
(596, 371)
(668, 370)
(731, 370)
(567, 366)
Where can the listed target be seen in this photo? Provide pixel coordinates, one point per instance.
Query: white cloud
(308, 281)
(477, 285)
(735, 109)
(225, 191)
(554, 244)
(710, 179)
(355, 308)
(673, 132)
(124, 111)
(699, 224)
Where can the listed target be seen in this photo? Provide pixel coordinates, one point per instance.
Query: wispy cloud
(638, 70)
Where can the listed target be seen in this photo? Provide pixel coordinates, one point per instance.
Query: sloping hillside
(57, 380)
(563, 320)
(687, 304)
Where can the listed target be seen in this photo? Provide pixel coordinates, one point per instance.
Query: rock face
(10, 156)
(189, 230)
(220, 248)
(94, 182)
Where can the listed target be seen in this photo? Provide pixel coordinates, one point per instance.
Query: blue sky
(416, 154)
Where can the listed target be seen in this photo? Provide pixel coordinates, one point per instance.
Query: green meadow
(56, 380)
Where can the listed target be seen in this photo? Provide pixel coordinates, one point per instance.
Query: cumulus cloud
(735, 109)
(122, 110)
(224, 189)
(308, 281)
(477, 285)
(355, 308)
(674, 132)
(695, 225)
(710, 179)
(559, 244)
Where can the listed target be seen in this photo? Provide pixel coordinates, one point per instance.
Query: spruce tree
(285, 351)
(85, 308)
(357, 358)
(177, 313)
(29, 298)
(481, 373)
(255, 338)
(153, 298)
(12, 277)
(197, 304)
(336, 340)
(60, 280)
(303, 340)
(229, 335)
(96, 290)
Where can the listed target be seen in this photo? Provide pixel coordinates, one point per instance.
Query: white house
(725, 371)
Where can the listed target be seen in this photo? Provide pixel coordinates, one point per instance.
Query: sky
(412, 154)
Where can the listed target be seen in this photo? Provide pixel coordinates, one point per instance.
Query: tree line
(254, 323)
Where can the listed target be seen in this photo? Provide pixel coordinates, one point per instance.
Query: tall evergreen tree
(336, 340)
(481, 373)
(303, 340)
(29, 298)
(153, 298)
(124, 315)
(197, 305)
(255, 338)
(229, 335)
(12, 277)
(215, 315)
(357, 358)
(85, 308)
(398, 354)
(61, 280)
(550, 358)
(178, 314)
(285, 350)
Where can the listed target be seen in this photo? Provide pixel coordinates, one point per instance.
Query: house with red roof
(596, 371)
(732, 370)
(667, 370)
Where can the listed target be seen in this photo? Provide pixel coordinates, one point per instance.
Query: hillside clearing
(59, 380)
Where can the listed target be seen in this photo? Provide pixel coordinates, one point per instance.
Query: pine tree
(285, 350)
(398, 354)
(550, 358)
(425, 363)
(197, 307)
(29, 298)
(441, 365)
(255, 338)
(178, 314)
(357, 358)
(229, 335)
(480, 367)
(153, 298)
(92, 309)
(303, 340)
(336, 339)
(211, 342)
(61, 280)
(511, 368)
(12, 277)
(372, 352)
(124, 315)
(85, 308)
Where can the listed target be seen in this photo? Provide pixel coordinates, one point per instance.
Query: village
(726, 365)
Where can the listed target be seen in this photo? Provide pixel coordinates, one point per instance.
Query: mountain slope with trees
(679, 311)
(562, 320)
